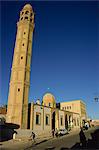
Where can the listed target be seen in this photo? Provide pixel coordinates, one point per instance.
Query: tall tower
(17, 111)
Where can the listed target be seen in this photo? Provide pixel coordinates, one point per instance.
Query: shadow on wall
(92, 143)
(7, 131)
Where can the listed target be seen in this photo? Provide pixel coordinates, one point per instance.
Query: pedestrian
(53, 133)
(82, 138)
(56, 133)
(33, 136)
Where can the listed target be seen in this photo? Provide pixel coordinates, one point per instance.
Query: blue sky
(65, 55)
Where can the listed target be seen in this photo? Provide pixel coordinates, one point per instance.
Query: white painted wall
(61, 113)
(48, 112)
(38, 128)
(76, 117)
(42, 128)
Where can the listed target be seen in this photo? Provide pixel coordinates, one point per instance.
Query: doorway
(66, 122)
(53, 120)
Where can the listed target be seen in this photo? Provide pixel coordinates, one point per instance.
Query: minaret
(17, 111)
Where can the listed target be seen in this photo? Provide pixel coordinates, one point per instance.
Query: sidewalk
(19, 144)
(24, 144)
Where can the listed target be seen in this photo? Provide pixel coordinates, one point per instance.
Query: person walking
(82, 138)
(53, 133)
(56, 133)
(33, 136)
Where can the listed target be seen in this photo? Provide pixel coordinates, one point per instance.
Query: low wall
(26, 133)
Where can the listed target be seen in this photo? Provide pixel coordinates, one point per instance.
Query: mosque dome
(49, 100)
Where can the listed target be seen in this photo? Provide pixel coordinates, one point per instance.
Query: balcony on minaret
(27, 14)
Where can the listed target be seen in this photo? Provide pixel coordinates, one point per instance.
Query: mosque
(39, 117)
(50, 115)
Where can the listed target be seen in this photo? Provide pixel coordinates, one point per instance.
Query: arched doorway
(66, 122)
(53, 120)
(69, 119)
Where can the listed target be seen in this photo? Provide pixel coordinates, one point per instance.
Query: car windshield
(62, 129)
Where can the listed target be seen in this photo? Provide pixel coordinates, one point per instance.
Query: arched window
(26, 18)
(18, 89)
(30, 20)
(31, 14)
(21, 57)
(22, 18)
(27, 12)
(22, 12)
(49, 104)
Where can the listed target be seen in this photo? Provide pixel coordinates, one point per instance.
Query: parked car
(62, 132)
(86, 126)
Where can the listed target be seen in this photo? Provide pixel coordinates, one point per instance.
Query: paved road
(70, 141)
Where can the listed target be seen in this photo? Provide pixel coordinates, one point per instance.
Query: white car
(62, 132)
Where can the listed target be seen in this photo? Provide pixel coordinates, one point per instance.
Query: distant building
(76, 106)
(95, 122)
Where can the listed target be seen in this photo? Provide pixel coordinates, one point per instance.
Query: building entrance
(53, 120)
(66, 122)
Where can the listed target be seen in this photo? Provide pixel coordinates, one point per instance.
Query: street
(70, 141)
